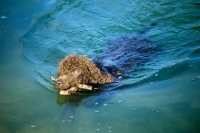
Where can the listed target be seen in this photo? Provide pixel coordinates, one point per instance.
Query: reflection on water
(162, 97)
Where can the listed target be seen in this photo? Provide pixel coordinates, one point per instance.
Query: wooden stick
(84, 86)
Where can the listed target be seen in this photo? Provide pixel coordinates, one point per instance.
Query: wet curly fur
(74, 69)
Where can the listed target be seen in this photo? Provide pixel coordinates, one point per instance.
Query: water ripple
(85, 27)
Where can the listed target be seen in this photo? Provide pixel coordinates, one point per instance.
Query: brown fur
(73, 70)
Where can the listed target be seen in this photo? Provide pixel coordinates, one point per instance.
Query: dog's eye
(59, 83)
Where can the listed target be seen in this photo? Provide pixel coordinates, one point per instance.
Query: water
(36, 35)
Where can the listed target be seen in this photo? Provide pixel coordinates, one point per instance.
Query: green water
(35, 35)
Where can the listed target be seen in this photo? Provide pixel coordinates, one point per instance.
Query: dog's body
(118, 59)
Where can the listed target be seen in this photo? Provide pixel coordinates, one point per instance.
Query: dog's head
(68, 80)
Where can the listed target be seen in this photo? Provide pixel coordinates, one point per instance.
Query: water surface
(163, 96)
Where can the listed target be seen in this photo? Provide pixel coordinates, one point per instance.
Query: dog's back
(124, 54)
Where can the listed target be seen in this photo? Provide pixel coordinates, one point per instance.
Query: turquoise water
(164, 96)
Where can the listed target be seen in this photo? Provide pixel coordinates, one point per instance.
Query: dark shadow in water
(127, 55)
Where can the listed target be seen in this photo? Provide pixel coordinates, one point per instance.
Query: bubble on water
(96, 111)
(96, 103)
(63, 121)
(98, 129)
(135, 108)
(70, 121)
(3, 17)
(33, 126)
(71, 117)
(119, 101)
(105, 104)
(151, 83)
